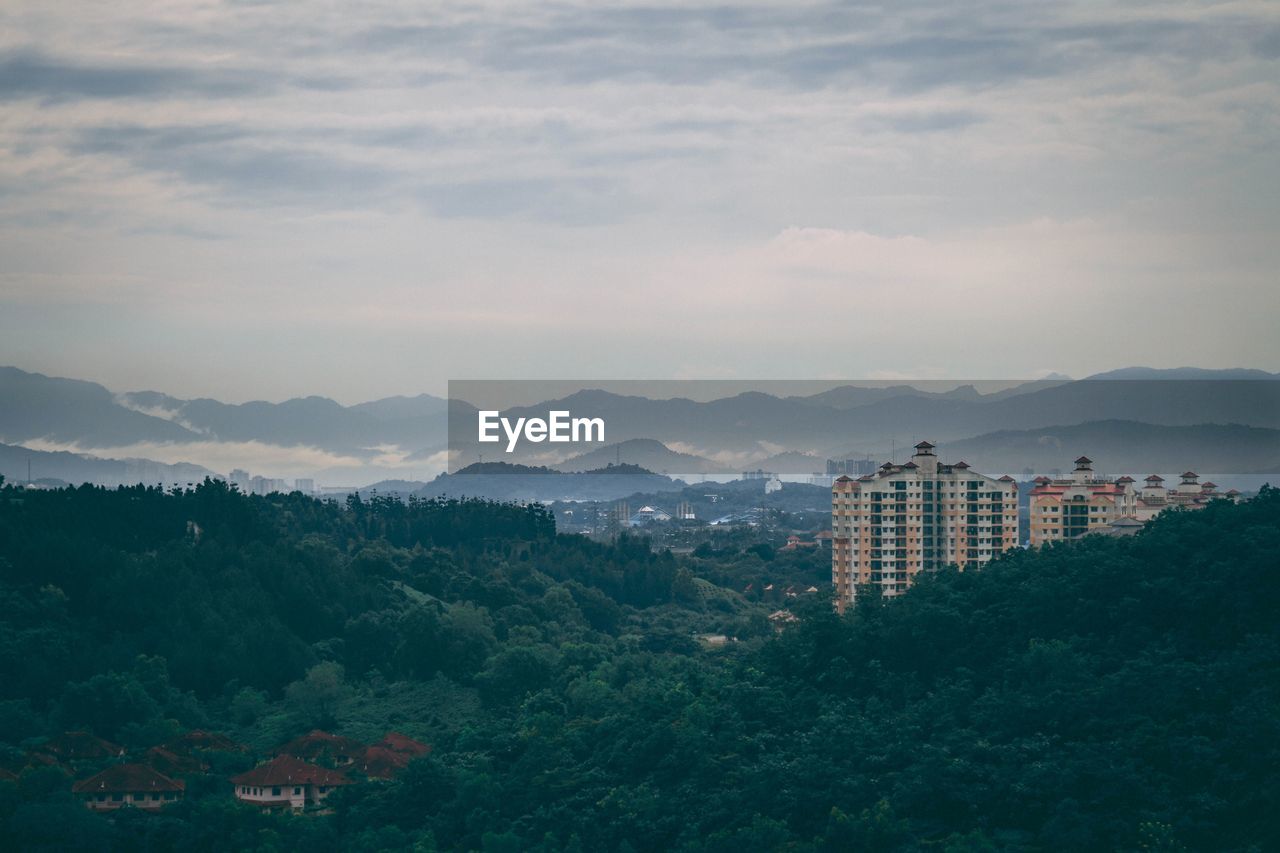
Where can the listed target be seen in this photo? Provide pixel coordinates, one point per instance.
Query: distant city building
(267, 485)
(648, 515)
(241, 480)
(758, 474)
(850, 467)
(1068, 508)
(306, 485)
(1082, 503)
(795, 543)
(684, 511)
(920, 516)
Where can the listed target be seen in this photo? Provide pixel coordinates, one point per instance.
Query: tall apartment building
(1086, 503)
(920, 516)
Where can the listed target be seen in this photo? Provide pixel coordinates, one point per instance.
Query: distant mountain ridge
(646, 453)
(1123, 447)
(405, 437)
(506, 481)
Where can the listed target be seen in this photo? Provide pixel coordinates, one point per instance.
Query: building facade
(889, 526)
(128, 786)
(287, 783)
(1068, 508)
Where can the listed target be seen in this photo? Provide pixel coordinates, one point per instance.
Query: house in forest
(71, 747)
(198, 740)
(390, 755)
(128, 786)
(286, 782)
(324, 747)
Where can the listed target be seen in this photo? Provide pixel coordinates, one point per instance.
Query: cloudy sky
(256, 199)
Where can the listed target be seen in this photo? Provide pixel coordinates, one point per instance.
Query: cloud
(377, 197)
(219, 456)
(30, 73)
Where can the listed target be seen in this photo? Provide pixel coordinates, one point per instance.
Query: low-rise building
(1070, 507)
(317, 745)
(286, 782)
(1087, 503)
(128, 786)
(389, 756)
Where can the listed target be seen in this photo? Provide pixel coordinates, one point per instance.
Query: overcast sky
(252, 199)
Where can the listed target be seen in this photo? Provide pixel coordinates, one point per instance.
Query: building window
(275, 791)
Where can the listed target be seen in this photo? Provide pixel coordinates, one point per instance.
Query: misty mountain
(756, 424)
(37, 407)
(792, 462)
(415, 423)
(1123, 447)
(392, 487)
(644, 452)
(77, 468)
(71, 411)
(1198, 373)
(405, 436)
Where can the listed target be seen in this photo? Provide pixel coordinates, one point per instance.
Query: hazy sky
(256, 199)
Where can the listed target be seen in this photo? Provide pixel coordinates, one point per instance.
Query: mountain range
(1144, 417)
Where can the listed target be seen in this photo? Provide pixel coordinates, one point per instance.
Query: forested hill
(1103, 694)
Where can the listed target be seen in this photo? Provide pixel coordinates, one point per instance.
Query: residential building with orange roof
(1087, 503)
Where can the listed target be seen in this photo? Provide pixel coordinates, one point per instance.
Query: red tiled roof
(127, 778)
(382, 763)
(287, 770)
(317, 744)
(200, 739)
(1105, 490)
(75, 746)
(172, 764)
(403, 743)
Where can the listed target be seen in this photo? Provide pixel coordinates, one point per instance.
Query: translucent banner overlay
(814, 431)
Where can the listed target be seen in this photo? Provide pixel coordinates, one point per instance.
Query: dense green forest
(1101, 694)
